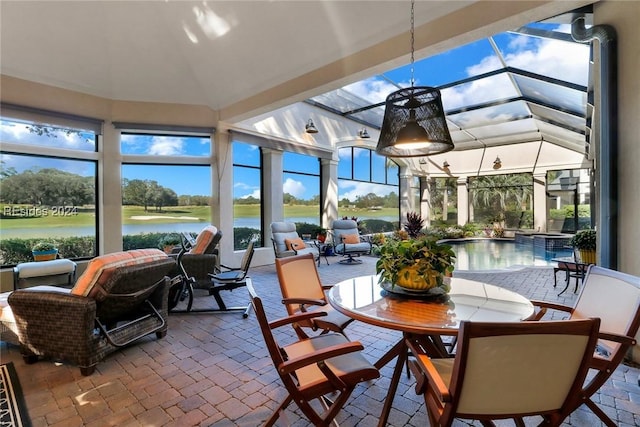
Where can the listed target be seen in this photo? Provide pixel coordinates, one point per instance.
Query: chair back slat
(525, 373)
(272, 345)
(508, 370)
(612, 296)
(299, 278)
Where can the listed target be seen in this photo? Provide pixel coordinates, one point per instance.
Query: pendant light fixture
(414, 122)
(310, 127)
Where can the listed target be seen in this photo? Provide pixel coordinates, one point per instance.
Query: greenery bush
(15, 251)
(243, 235)
(378, 225)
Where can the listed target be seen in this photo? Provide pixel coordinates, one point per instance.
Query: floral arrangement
(418, 264)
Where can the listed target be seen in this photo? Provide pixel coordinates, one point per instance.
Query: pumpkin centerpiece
(419, 264)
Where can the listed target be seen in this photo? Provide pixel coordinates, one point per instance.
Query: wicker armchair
(128, 302)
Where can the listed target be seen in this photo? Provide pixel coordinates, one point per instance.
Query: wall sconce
(497, 163)
(445, 165)
(362, 133)
(310, 127)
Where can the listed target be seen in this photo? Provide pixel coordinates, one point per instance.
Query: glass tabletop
(362, 298)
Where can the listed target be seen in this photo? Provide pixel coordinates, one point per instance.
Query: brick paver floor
(213, 369)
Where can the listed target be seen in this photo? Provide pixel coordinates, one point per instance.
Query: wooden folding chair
(507, 370)
(325, 367)
(614, 297)
(303, 291)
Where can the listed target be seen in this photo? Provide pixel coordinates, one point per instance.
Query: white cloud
(293, 187)
(166, 146)
(352, 189)
(249, 190)
(373, 90)
(255, 195)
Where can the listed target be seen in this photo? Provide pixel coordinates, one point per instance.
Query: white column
(223, 167)
(464, 213)
(425, 196)
(540, 202)
(110, 168)
(329, 191)
(272, 206)
(406, 199)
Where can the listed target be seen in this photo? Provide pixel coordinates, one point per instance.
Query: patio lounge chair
(120, 298)
(348, 242)
(287, 242)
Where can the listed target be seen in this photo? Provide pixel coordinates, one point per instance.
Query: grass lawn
(171, 214)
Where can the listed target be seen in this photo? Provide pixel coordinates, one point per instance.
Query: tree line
(46, 187)
(53, 187)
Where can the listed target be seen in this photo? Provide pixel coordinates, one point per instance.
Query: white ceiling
(233, 56)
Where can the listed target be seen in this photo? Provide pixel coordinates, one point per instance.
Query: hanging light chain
(412, 40)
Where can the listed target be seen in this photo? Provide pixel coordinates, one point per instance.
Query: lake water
(487, 254)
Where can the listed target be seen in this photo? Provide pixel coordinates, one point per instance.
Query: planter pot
(409, 278)
(45, 255)
(588, 256)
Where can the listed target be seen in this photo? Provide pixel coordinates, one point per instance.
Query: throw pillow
(351, 239)
(296, 244)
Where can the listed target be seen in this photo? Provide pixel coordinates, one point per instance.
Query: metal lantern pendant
(414, 122)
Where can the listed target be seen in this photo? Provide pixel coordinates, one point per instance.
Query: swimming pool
(490, 254)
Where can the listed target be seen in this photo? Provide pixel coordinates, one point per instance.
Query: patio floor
(213, 369)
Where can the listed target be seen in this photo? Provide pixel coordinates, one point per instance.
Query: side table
(44, 271)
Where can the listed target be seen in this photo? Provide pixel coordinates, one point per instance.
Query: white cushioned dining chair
(507, 370)
(614, 298)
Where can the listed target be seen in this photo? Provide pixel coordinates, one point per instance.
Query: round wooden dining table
(412, 313)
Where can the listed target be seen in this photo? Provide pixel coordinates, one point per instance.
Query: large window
(160, 200)
(368, 189)
(301, 187)
(568, 200)
(47, 189)
(247, 193)
(502, 200)
(443, 193)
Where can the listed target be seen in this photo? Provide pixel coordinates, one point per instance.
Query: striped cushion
(203, 240)
(100, 269)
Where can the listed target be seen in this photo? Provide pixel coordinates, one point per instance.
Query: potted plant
(417, 264)
(168, 242)
(322, 235)
(44, 251)
(585, 242)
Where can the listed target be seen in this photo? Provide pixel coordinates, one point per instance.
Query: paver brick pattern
(212, 369)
